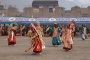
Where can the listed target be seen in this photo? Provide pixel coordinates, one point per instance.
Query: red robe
(11, 38)
(37, 48)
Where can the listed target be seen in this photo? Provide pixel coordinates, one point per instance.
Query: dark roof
(44, 3)
(45, 0)
(1, 7)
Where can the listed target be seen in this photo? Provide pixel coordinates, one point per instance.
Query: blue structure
(24, 20)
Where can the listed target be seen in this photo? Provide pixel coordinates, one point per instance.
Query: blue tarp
(8, 20)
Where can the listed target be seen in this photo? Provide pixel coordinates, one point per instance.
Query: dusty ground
(81, 50)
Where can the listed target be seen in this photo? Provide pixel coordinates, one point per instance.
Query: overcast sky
(20, 4)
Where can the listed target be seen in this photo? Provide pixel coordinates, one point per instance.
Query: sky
(67, 4)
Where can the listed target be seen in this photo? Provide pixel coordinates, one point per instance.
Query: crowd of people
(60, 34)
(23, 29)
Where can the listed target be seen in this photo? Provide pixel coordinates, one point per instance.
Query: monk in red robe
(69, 36)
(11, 36)
(36, 43)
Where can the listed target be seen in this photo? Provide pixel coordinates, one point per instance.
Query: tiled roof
(45, 3)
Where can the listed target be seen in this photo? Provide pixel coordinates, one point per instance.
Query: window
(51, 10)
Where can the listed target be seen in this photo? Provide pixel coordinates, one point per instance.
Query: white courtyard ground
(81, 50)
